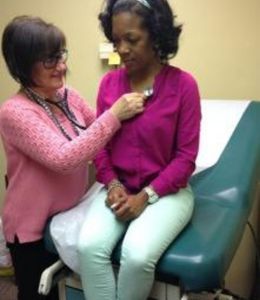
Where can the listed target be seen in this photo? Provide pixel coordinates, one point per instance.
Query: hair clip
(145, 3)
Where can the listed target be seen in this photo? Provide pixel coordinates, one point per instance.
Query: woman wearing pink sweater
(49, 133)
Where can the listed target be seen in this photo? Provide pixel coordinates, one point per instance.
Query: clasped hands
(124, 205)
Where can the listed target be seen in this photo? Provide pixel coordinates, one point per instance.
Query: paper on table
(219, 120)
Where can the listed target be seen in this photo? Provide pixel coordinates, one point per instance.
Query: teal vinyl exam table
(224, 194)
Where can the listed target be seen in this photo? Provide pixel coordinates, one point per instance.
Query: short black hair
(26, 40)
(159, 21)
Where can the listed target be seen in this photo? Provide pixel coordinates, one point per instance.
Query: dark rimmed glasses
(51, 61)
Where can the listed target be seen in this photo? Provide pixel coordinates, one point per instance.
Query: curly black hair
(157, 17)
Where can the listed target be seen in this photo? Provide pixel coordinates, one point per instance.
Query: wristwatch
(152, 195)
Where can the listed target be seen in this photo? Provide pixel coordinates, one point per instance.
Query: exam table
(226, 188)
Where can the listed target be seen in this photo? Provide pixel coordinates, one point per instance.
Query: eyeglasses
(52, 61)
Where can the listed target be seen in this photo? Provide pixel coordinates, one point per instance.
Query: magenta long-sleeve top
(46, 172)
(159, 146)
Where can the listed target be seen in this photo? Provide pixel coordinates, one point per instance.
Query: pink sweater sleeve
(26, 130)
(88, 113)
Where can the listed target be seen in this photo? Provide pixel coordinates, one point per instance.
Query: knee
(87, 247)
(138, 261)
(93, 248)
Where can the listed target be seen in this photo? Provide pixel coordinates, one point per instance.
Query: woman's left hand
(133, 207)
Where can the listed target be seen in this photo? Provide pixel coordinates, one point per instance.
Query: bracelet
(114, 184)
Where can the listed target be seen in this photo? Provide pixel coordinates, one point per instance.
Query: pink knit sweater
(46, 172)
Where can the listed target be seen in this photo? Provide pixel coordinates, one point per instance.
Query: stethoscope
(148, 92)
(63, 106)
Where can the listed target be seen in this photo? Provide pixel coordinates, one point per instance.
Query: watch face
(152, 196)
(152, 199)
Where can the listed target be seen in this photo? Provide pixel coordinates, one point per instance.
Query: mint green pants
(145, 240)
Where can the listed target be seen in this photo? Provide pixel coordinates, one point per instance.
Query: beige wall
(220, 45)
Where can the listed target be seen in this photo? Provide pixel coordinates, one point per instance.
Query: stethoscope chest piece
(148, 92)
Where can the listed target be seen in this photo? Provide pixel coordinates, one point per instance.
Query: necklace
(62, 104)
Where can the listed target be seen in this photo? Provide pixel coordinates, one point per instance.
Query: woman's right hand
(128, 106)
(116, 197)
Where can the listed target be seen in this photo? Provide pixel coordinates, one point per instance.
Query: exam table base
(70, 289)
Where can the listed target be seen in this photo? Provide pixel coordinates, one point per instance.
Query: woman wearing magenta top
(147, 164)
(49, 134)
